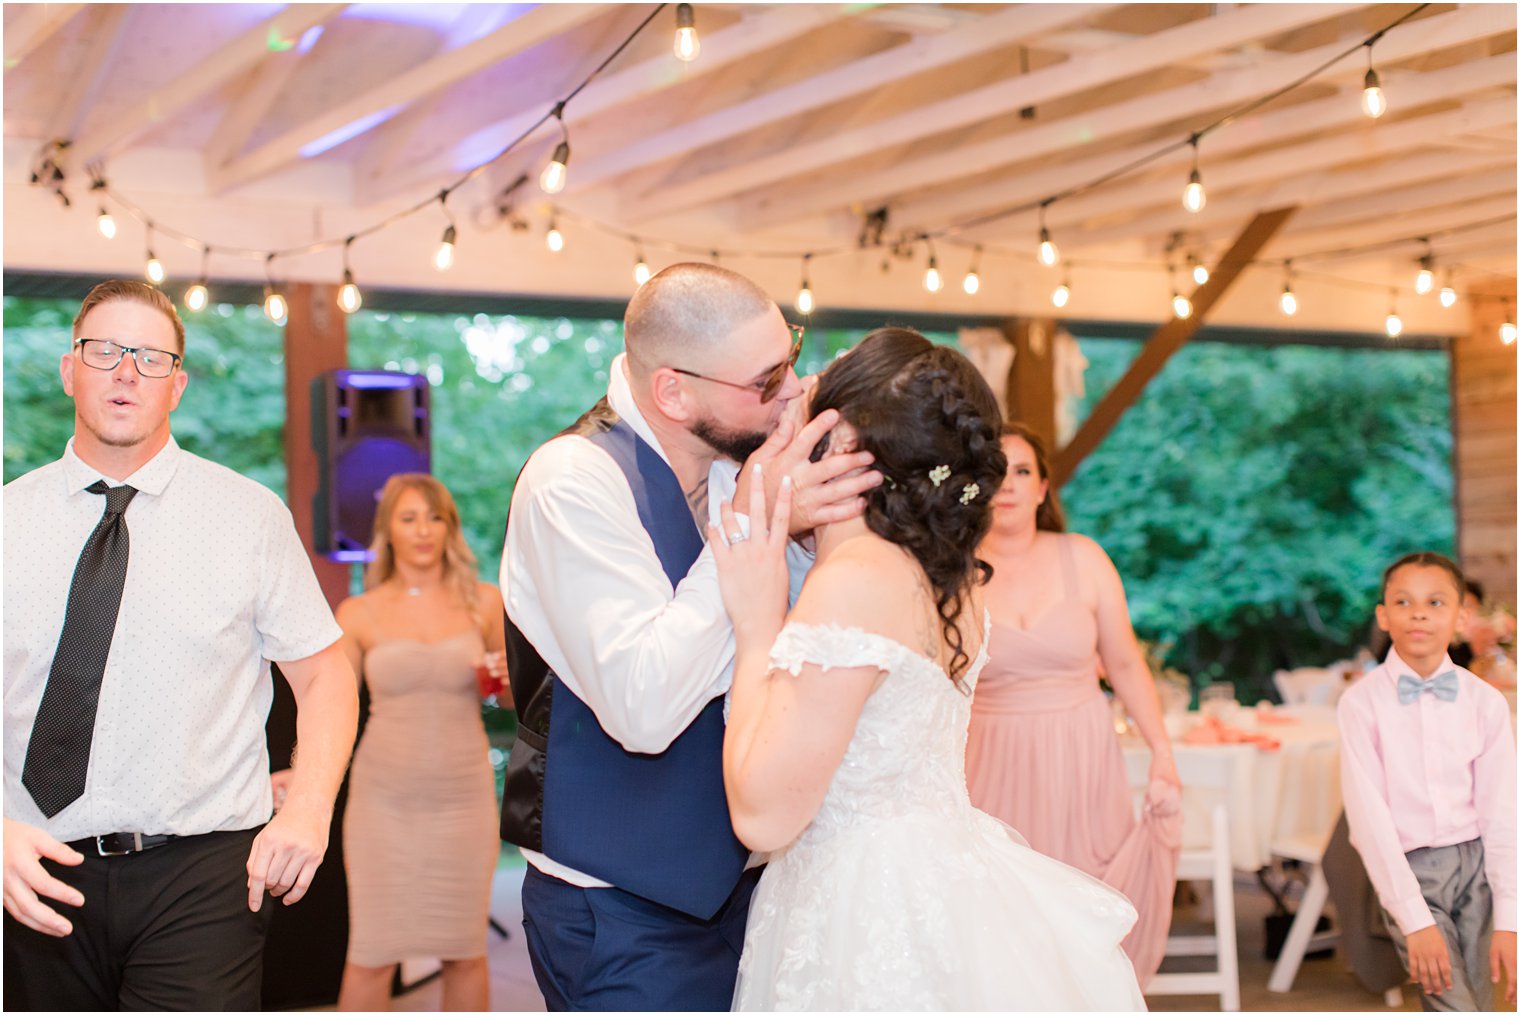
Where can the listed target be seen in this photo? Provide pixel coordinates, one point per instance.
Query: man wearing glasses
(620, 650)
(145, 590)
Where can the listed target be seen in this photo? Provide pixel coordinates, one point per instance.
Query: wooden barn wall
(1483, 454)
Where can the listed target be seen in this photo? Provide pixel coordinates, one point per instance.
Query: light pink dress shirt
(1430, 773)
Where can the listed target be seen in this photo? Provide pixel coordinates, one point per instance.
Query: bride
(844, 754)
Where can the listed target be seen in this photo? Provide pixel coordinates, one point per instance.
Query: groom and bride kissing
(743, 692)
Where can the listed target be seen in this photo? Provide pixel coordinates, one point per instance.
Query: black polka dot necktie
(58, 755)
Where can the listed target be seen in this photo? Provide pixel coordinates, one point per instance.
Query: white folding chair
(1207, 771)
(1302, 938)
(1309, 685)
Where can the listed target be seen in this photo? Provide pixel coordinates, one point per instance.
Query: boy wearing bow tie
(1428, 775)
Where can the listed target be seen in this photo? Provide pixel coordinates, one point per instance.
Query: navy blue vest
(655, 825)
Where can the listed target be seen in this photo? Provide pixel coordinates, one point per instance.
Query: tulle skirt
(932, 911)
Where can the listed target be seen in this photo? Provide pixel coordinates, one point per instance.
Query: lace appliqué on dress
(832, 647)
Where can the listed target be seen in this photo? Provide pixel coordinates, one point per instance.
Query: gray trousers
(1456, 889)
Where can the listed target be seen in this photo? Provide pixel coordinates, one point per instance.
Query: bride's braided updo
(933, 425)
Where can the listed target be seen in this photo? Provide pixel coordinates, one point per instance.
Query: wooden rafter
(237, 57)
(1162, 189)
(1165, 341)
(32, 27)
(108, 28)
(857, 77)
(1076, 75)
(382, 174)
(527, 30)
(1332, 186)
(1214, 94)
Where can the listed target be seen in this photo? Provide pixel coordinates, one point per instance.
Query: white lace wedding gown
(900, 895)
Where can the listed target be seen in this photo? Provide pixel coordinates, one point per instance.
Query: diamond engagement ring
(736, 538)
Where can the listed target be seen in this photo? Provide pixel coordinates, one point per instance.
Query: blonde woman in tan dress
(420, 833)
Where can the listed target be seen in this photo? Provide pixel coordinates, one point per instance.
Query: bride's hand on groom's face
(752, 572)
(829, 490)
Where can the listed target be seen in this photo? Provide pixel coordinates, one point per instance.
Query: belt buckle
(100, 844)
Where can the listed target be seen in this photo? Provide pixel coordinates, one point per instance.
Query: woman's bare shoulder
(865, 583)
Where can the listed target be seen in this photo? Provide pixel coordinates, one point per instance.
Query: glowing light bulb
(106, 224)
(1448, 297)
(554, 239)
(1424, 281)
(1393, 324)
(1200, 273)
(971, 283)
(557, 171)
(1193, 197)
(1288, 302)
(641, 271)
(932, 281)
(687, 45)
(804, 299)
(275, 307)
(1060, 295)
(197, 296)
(154, 270)
(1049, 254)
(349, 297)
(1507, 332)
(1182, 307)
(443, 259)
(1374, 103)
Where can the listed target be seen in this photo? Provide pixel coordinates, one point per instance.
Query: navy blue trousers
(602, 949)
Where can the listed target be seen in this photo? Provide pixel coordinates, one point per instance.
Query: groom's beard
(733, 444)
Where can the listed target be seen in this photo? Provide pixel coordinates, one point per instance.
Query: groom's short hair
(687, 310)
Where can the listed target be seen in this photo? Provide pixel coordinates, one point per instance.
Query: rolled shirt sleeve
(586, 588)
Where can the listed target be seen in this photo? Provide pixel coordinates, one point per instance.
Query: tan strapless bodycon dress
(420, 834)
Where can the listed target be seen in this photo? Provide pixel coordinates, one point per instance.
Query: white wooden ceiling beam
(1309, 190)
(107, 32)
(1079, 74)
(1379, 203)
(1395, 140)
(169, 99)
(382, 173)
(528, 29)
(250, 106)
(34, 25)
(1219, 91)
(1394, 227)
(858, 77)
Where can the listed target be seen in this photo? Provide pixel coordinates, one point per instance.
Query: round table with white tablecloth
(1290, 792)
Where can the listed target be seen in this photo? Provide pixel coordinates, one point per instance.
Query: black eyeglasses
(771, 384)
(104, 354)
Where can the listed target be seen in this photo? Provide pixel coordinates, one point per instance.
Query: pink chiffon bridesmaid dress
(1042, 755)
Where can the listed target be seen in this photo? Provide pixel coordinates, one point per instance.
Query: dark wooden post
(1164, 341)
(1031, 381)
(316, 340)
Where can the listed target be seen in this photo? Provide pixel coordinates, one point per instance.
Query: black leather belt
(119, 843)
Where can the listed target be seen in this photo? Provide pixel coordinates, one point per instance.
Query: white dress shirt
(217, 584)
(583, 584)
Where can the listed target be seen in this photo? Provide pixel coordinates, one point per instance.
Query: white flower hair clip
(939, 474)
(969, 492)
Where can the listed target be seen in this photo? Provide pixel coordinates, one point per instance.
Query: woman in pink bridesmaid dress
(1042, 753)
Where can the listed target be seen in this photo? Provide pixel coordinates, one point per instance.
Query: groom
(620, 650)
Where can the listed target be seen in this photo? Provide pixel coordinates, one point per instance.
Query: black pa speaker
(367, 425)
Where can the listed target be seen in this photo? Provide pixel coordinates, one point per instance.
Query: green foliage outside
(1249, 499)
(1252, 497)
